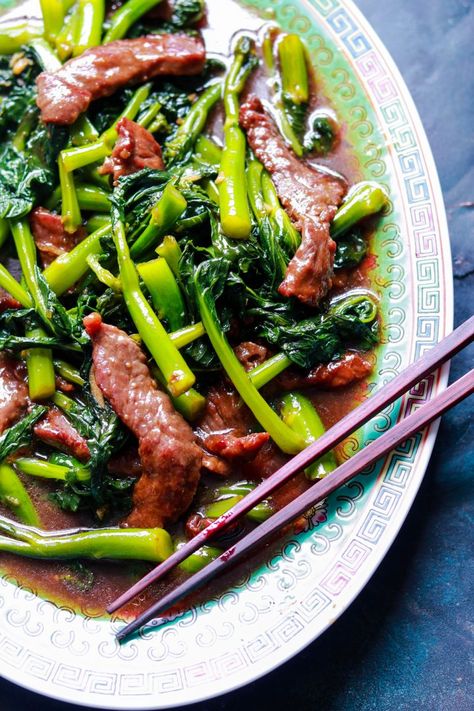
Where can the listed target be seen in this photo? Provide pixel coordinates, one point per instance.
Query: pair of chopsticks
(423, 416)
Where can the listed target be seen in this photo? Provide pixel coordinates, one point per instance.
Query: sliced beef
(170, 457)
(225, 431)
(227, 445)
(7, 301)
(311, 198)
(13, 390)
(63, 385)
(50, 236)
(66, 93)
(134, 150)
(251, 354)
(337, 374)
(216, 465)
(197, 523)
(55, 429)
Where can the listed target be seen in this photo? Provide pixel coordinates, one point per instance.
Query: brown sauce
(53, 580)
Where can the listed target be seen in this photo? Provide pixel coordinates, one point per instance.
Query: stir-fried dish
(184, 298)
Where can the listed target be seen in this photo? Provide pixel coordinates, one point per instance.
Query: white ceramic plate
(291, 600)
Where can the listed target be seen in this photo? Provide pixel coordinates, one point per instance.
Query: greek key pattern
(276, 610)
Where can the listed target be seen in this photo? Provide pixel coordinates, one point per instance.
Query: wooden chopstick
(442, 352)
(456, 392)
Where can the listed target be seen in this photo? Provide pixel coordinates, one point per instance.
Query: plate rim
(291, 649)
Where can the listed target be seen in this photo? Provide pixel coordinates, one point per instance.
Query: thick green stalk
(269, 369)
(103, 274)
(15, 289)
(187, 335)
(53, 17)
(364, 199)
(89, 197)
(93, 198)
(164, 215)
(230, 495)
(47, 57)
(126, 16)
(150, 544)
(39, 364)
(14, 495)
(63, 401)
(294, 71)
(91, 17)
(284, 437)
(70, 210)
(170, 250)
(179, 378)
(18, 33)
(26, 251)
(234, 208)
(81, 156)
(68, 372)
(164, 291)
(147, 118)
(96, 222)
(207, 151)
(254, 186)
(44, 469)
(68, 268)
(66, 38)
(187, 133)
(199, 559)
(83, 131)
(289, 233)
(299, 414)
(190, 404)
(284, 124)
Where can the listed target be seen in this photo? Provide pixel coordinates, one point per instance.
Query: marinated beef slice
(7, 301)
(66, 93)
(311, 198)
(348, 369)
(50, 236)
(55, 430)
(13, 390)
(134, 150)
(170, 457)
(225, 431)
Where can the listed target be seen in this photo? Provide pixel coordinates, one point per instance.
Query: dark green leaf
(19, 435)
(351, 249)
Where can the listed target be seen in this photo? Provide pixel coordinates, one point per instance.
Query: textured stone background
(406, 643)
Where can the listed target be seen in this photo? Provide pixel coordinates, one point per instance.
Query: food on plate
(185, 297)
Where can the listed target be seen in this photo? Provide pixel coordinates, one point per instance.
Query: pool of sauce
(56, 580)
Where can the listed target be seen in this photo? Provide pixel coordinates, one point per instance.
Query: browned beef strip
(350, 368)
(55, 429)
(63, 385)
(66, 93)
(7, 301)
(13, 390)
(170, 457)
(227, 445)
(251, 354)
(50, 237)
(134, 150)
(311, 198)
(224, 431)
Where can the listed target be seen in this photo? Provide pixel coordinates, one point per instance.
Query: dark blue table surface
(406, 643)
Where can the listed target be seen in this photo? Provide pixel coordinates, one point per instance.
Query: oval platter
(310, 580)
